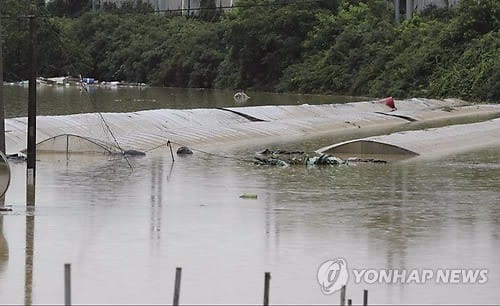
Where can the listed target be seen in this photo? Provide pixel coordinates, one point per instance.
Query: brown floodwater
(125, 230)
(61, 100)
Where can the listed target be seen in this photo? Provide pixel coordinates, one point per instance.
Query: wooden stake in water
(177, 288)
(267, 278)
(365, 297)
(342, 296)
(67, 284)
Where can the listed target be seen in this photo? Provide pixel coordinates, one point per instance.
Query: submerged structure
(426, 143)
(146, 130)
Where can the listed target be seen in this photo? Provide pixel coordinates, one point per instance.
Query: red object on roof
(389, 101)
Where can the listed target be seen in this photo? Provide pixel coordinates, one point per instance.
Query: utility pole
(31, 152)
(2, 112)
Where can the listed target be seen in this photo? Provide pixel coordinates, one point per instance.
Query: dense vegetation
(331, 46)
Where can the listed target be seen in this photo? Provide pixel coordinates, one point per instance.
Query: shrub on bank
(345, 47)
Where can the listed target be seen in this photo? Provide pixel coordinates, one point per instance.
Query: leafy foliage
(64, 8)
(436, 54)
(262, 41)
(325, 46)
(56, 50)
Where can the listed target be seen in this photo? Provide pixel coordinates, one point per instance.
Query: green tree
(346, 51)
(343, 47)
(209, 11)
(68, 8)
(262, 40)
(53, 55)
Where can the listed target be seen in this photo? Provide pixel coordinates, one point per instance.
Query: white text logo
(333, 274)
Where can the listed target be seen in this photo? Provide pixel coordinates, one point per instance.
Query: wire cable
(201, 151)
(108, 128)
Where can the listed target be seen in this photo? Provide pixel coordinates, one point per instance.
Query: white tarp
(435, 142)
(144, 130)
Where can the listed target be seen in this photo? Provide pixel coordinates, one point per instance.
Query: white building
(193, 6)
(420, 5)
(408, 7)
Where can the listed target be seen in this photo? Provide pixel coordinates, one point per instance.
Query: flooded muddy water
(125, 230)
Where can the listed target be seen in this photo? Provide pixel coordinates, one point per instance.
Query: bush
(343, 47)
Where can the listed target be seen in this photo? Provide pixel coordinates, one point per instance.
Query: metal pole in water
(177, 288)
(2, 113)
(267, 278)
(171, 153)
(67, 147)
(31, 152)
(67, 284)
(365, 297)
(342, 296)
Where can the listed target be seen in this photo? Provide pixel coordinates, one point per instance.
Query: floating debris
(286, 158)
(133, 153)
(241, 97)
(270, 161)
(324, 159)
(129, 153)
(366, 160)
(77, 81)
(184, 151)
(248, 196)
(5, 208)
(280, 157)
(17, 157)
(277, 152)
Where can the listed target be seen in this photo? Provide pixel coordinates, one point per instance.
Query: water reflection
(383, 216)
(156, 201)
(4, 175)
(29, 254)
(398, 206)
(4, 185)
(4, 247)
